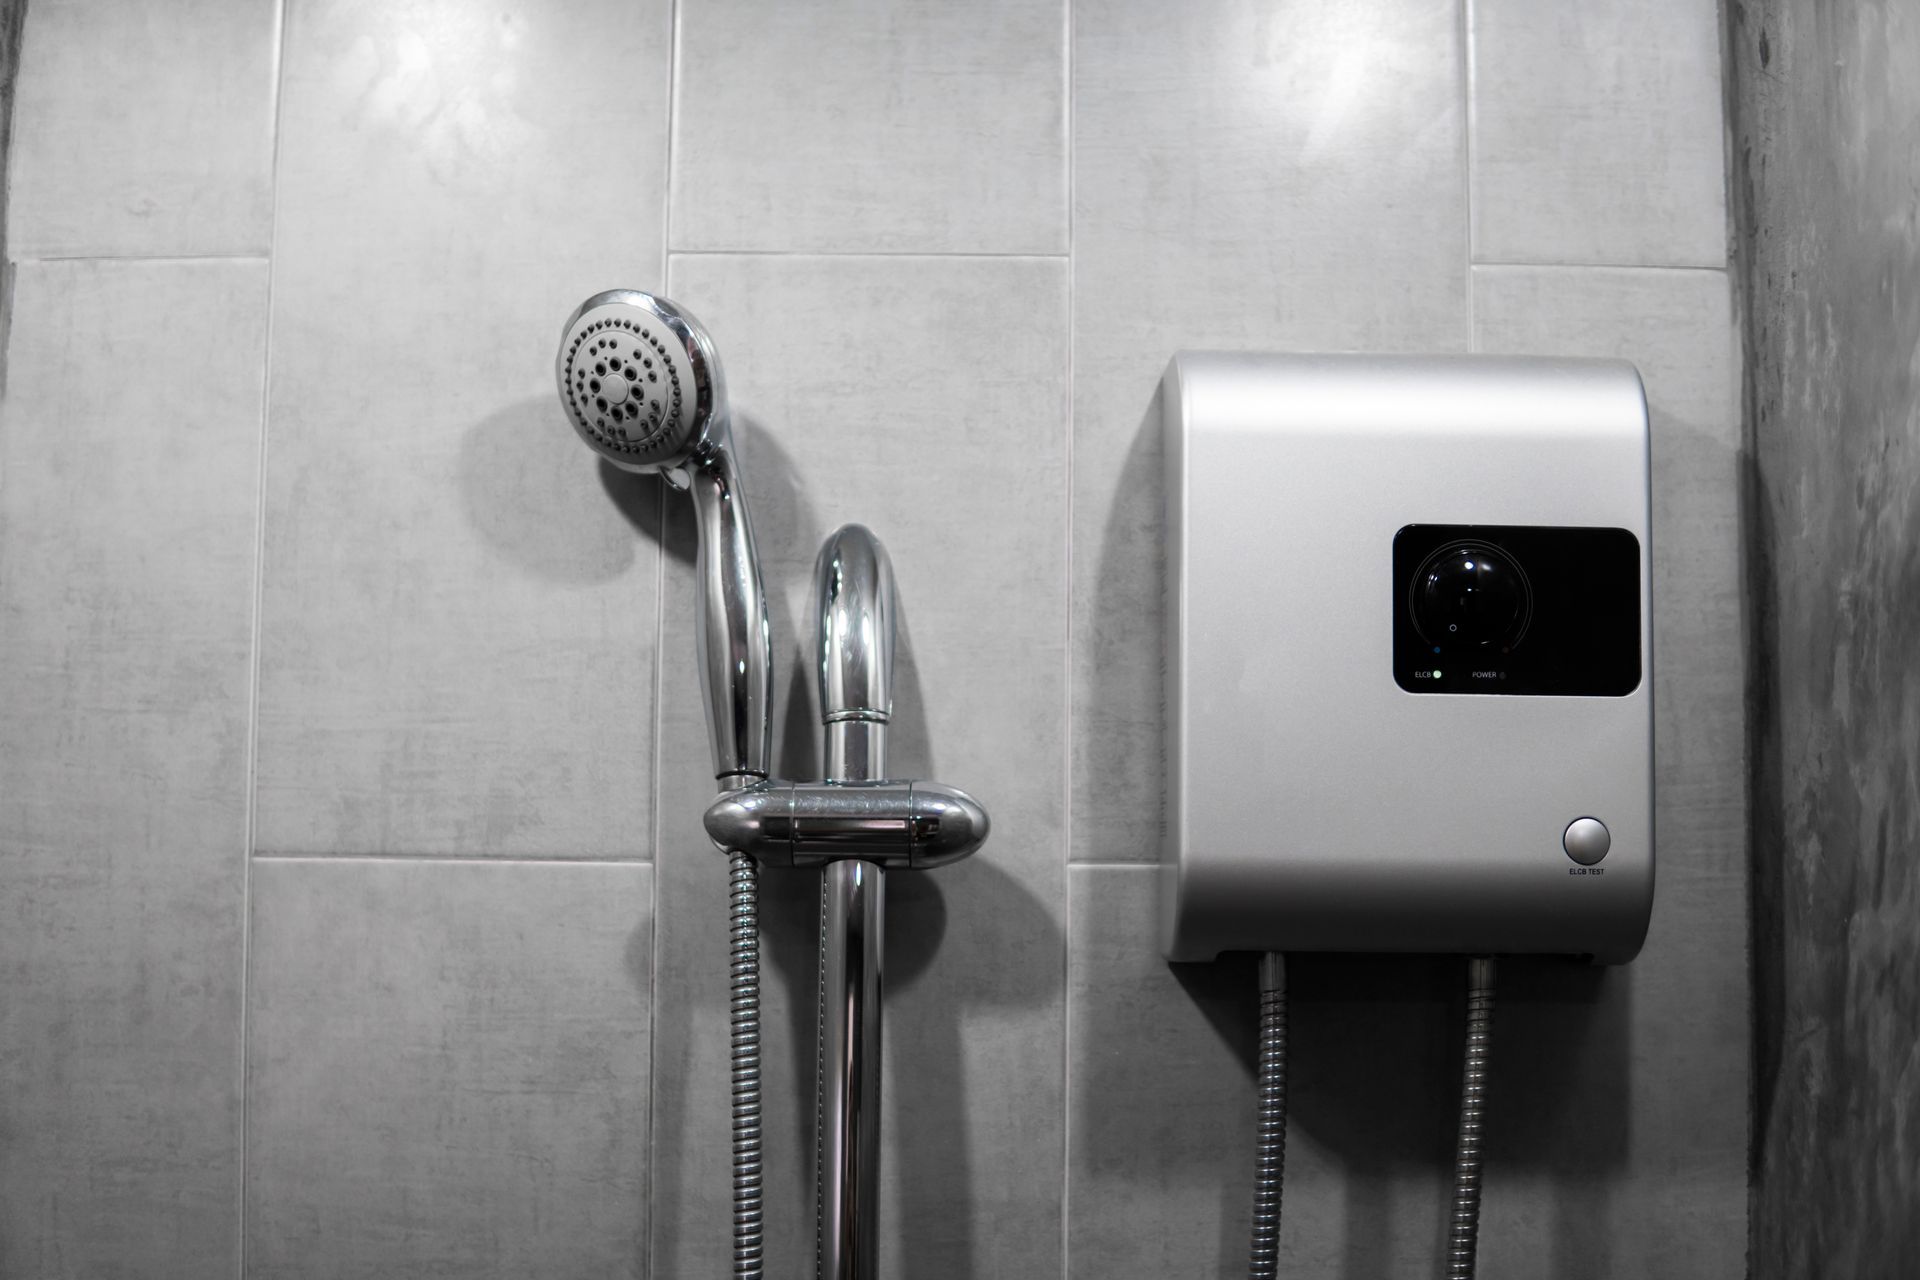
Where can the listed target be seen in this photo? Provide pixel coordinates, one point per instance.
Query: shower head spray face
(641, 382)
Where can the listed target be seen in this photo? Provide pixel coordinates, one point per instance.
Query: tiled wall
(351, 734)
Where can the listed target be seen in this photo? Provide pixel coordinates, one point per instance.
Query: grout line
(253, 676)
(1466, 134)
(461, 860)
(653, 922)
(1066, 959)
(655, 800)
(673, 123)
(1596, 266)
(866, 253)
(468, 859)
(145, 257)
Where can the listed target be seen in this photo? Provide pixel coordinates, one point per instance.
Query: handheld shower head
(641, 383)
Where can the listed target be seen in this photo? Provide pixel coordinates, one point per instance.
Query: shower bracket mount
(896, 825)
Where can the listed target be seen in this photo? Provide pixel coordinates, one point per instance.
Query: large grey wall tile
(1689, 1010)
(925, 398)
(901, 125)
(458, 621)
(1230, 191)
(1597, 132)
(144, 129)
(448, 1069)
(127, 535)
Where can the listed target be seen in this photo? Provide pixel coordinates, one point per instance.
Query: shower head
(641, 384)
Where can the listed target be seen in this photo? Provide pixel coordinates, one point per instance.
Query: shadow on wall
(1119, 744)
(929, 1158)
(528, 448)
(936, 1217)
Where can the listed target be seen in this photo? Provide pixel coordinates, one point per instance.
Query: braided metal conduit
(1464, 1238)
(744, 1018)
(1271, 1155)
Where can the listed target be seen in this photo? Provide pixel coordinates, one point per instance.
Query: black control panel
(1516, 609)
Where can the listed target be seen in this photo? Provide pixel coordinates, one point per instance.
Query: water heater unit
(1409, 684)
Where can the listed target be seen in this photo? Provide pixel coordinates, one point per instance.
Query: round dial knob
(1471, 596)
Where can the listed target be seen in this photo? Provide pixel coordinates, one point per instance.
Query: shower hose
(744, 1016)
(1463, 1239)
(1270, 1156)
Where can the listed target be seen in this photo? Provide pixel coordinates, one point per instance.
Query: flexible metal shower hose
(744, 971)
(1465, 1235)
(1271, 1155)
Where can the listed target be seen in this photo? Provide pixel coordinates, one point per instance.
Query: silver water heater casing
(1335, 782)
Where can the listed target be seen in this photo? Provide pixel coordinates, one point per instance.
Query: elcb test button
(1586, 841)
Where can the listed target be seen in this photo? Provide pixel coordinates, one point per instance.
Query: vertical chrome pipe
(853, 582)
(852, 935)
(853, 587)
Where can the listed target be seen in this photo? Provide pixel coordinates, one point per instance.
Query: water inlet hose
(743, 912)
(1464, 1238)
(1271, 1086)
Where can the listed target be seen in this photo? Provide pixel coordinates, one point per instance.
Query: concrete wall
(1825, 104)
(13, 16)
(355, 919)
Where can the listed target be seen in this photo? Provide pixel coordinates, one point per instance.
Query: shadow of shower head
(641, 383)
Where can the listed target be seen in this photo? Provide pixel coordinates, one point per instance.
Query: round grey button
(1587, 840)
